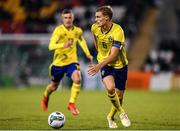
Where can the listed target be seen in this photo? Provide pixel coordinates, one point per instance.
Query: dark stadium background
(152, 30)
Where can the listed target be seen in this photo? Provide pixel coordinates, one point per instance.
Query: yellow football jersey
(65, 56)
(105, 41)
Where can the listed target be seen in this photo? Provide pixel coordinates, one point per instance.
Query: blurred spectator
(36, 16)
(164, 59)
(40, 14)
(12, 16)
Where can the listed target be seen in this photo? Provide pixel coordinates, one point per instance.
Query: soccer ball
(56, 120)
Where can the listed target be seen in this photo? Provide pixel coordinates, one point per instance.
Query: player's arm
(95, 42)
(54, 42)
(93, 27)
(84, 47)
(117, 46)
(93, 69)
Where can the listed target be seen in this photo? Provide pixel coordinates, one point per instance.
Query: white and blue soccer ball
(56, 120)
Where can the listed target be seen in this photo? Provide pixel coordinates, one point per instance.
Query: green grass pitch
(20, 109)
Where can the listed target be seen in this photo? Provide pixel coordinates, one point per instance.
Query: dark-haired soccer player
(112, 61)
(64, 43)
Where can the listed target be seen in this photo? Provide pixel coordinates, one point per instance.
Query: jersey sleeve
(118, 38)
(119, 35)
(54, 40)
(83, 43)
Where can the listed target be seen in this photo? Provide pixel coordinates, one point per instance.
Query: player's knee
(76, 77)
(54, 86)
(111, 91)
(77, 80)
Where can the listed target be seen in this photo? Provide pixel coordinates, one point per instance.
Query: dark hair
(106, 11)
(67, 11)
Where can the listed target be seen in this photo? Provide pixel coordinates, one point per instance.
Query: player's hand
(93, 69)
(68, 44)
(90, 57)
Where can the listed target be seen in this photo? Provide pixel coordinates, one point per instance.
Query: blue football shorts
(57, 72)
(120, 75)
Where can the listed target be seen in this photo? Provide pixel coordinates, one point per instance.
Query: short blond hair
(67, 11)
(106, 11)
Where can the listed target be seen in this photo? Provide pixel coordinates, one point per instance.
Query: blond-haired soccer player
(112, 61)
(64, 41)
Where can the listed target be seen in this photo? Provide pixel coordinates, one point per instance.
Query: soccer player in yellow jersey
(64, 41)
(112, 62)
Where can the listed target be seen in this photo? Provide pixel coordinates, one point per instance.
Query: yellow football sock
(112, 112)
(74, 92)
(115, 101)
(47, 91)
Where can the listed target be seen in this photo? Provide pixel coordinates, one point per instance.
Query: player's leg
(75, 74)
(120, 95)
(56, 73)
(123, 116)
(112, 94)
(108, 80)
(110, 118)
(49, 89)
(110, 86)
(113, 110)
(76, 78)
(120, 83)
